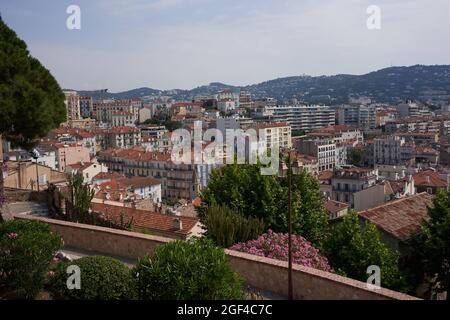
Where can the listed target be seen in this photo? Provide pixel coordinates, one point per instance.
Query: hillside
(389, 85)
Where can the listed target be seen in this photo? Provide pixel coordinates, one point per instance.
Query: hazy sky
(166, 44)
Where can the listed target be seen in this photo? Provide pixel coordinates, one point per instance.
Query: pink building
(69, 154)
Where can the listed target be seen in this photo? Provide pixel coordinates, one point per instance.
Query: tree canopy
(31, 101)
(352, 247)
(431, 247)
(244, 189)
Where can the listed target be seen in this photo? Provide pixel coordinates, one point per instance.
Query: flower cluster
(12, 235)
(275, 245)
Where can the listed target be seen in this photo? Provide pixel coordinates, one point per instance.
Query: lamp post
(290, 288)
(286, 166)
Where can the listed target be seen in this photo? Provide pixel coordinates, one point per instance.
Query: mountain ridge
(388, 85)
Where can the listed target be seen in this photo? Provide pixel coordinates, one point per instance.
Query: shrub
(275, 246)
(26, 250)
(227, 227)
(102, 278)
(193, 270)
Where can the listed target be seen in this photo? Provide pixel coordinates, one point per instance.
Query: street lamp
(289, 178)
(35, 154)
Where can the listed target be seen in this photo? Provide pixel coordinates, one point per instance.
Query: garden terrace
(258, 272)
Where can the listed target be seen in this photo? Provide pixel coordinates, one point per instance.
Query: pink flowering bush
(275, 245)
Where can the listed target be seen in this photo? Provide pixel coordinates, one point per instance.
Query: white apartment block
(123, 119)
(392, 150)
(323, 150)
(275, 134)
(299, 117)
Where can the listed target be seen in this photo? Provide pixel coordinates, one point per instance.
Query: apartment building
(357, 187)
(123, 119)
(178, 181)
(117, 137)
(105, 111)
(363, 117)
(323, 150)
(392, 150)
(439, 124)
(69, 154)
(412, 109)
(272, 134)
(72, 102)
(86, 107)
(300, 117)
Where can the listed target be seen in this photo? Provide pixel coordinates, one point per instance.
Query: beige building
(23, 175)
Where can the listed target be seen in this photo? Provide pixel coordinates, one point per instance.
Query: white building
(300, 117)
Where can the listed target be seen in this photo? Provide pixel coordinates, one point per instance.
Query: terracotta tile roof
(123, 183)
(325, 175)
(400, 218)
(107, 175)
(145, 219)
(429, 179)
(335, 206)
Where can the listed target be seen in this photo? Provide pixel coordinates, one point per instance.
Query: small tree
(26, 250)
(356, 156)
(352, 248)
(79, 199)
(431, 247)
(194, 270)
(227, 227)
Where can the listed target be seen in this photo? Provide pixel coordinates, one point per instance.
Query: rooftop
(148, 220)
(400, 218)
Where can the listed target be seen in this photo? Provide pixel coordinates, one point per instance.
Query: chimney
(178, 224)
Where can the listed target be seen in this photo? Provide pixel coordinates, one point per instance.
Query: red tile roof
(335, 206)
(429, 179)
(151, 221)
(400, 218)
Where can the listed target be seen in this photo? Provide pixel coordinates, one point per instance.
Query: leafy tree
(356, 156)
(193, 270)
(298, 133)
(244, 189)
(310, 217)
(227, 227)
(353, 247)
(164, 121)
(31, 100)
(431, 247)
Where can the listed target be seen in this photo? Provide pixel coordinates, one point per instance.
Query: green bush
(227, 227)
(26, 250)
(193, 270)
(102, 278)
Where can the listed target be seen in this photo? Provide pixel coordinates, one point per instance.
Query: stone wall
(259, 272)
